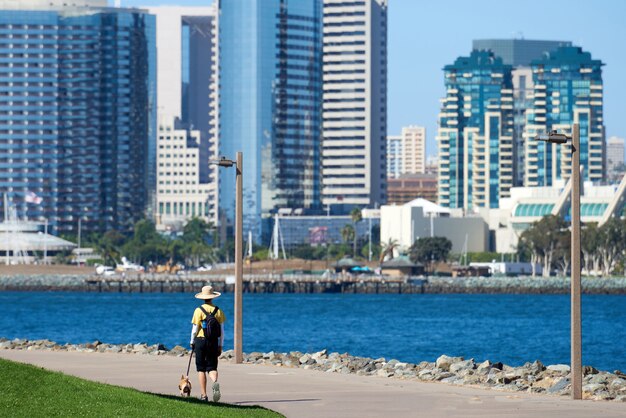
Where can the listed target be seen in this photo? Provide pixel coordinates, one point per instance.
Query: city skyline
(415, 68)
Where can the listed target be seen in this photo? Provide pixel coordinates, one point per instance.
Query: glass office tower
(567, 89)
(270, 93)
(77, 115)
(519, 53)
(187, 103)
(475, 134)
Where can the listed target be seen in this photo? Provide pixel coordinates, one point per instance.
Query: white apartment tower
(181, 195)
(414, 150)
(355, 104)
(187, 114)
(615, 158)
(406, 153)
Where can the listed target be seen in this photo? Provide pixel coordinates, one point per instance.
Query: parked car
(104, 270)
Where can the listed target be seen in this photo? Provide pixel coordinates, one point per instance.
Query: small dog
(184, 386)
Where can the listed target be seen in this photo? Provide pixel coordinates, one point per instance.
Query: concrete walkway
(307, 393)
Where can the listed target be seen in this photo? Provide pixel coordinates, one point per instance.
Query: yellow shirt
(198, 317)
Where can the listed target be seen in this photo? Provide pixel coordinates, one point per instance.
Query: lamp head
(553, 137)
(223, 162)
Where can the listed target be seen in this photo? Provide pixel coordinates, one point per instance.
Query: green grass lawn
(29, 391)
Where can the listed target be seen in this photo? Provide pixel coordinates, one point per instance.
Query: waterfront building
(615, 158)
(598, 204)
(270, 89)
(421, 218)
(355, 104)
(314, 230)
(26, 242)
(77, 114)
(394, 156)
(475, 135)
(567, 89)
(187, 114)
(519, 53)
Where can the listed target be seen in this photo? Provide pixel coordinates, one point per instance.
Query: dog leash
(189, 365)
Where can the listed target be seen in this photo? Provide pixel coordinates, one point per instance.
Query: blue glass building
(77, 115)
(567, 90)
(196, 96)
(518, 52)
(270, 77)
(475, 135)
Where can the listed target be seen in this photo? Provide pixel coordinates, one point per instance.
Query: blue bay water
(508, 328)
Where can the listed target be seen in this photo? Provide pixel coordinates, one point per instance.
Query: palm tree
(356, 216)
(387, 249)
(347, 233)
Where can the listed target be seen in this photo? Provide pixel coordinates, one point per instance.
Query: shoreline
(308, 284)
(530, 378)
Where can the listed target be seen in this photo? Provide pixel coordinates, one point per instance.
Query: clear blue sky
(425, 35)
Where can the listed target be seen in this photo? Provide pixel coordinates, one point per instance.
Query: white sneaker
(216, 392)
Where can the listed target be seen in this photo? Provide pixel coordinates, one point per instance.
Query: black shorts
(206, 355)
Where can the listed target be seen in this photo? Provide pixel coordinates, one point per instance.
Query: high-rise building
(77, 118)
(412, 186)
(475, 134)
(567, 89)
(615, 158)
(355, 104)
(181, 194)
(394, 156)
(270, 89)
(187, 112)
(414, 150)
(519, 53)
(406, 153)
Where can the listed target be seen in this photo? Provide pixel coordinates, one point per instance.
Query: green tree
(356, 217)
(347, 233)
(197, 230)
(563, 254)
(429, 250)
(529, 243)
(589, 243)
(195, 249)
(109, 245)
(611, 243)
(146, 244)
(387, 249)
(544, 240)
(338, 251)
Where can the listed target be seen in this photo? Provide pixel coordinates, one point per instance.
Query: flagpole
(45, 243)
(6, 227)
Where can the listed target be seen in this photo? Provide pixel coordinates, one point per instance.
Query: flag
(33, 198)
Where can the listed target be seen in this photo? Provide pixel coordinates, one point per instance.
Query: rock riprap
(531, 377)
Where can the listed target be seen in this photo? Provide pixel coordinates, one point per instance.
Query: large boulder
(559, 368)
(462, 365)
(444, 362)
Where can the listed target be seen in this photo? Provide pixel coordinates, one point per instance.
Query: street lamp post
(238, 340)
(576, 344)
